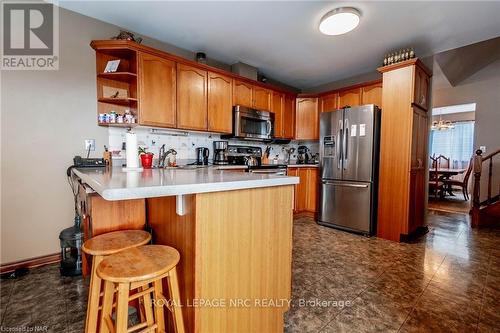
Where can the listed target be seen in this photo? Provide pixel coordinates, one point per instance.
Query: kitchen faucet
(162, 155)
(289, 151)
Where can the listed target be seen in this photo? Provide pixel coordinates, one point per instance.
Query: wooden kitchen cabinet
(306, 192)
(289, 117)
(191, 98)
(262, 98)
(372, 94)
(312, 190)
(242, 93)
(350, 97)
(163, 90)
(307, 119)
(329, 102)
(421, 88)
(220, 103)
(157, 91)
(301, 193)
(403, 154)
(251, 96)
(277, 108)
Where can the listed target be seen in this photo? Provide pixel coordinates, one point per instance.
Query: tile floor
(448, 281)
(455, 203)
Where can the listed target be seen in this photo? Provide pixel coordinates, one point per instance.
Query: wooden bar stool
(141, 268)
(100, 247)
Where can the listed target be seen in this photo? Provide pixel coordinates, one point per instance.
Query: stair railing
(479, 159)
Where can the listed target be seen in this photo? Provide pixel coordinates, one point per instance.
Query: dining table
(445, 174)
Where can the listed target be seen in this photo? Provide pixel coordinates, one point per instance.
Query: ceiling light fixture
(339, 21)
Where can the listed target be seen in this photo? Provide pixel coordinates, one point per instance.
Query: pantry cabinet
(220, 102)
(421, 88)
(307, 119)
(191, 98)
(157, 91)
(403, 153)
(306, 192)
(350, 97)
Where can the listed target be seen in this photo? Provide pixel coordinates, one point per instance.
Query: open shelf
(118, 101)
(118, 76)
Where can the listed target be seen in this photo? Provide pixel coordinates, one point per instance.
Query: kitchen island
(233, 231)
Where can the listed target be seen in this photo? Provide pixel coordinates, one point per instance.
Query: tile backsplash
(185, 143)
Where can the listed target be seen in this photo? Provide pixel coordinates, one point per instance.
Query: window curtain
(456, 143)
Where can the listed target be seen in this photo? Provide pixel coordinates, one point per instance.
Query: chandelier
(441, 125)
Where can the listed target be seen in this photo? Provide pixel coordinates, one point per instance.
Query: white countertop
(115, 184)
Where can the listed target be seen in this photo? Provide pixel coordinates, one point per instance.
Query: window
(456, 143)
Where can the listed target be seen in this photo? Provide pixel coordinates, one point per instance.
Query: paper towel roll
(132, 150)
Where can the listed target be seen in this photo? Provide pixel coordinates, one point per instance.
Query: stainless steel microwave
(249, 123)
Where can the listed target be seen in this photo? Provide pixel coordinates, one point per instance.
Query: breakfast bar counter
(233, 230)
(115, 184)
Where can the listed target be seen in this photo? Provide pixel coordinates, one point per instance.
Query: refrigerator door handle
(345, 185)
(346, 140)
(338, 145)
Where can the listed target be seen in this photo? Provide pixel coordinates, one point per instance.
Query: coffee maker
(220, 152)
(202, 156)
(303, 155)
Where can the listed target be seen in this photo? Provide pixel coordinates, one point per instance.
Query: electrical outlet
(89, 143)
(483, 149)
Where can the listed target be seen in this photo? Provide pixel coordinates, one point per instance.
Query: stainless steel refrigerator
(349, 149)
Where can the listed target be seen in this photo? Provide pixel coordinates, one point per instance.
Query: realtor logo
(30, 36)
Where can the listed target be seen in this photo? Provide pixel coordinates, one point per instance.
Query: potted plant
(146, 158)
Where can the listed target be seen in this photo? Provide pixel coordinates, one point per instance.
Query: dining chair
(443, 162)
(462, 183)
(432, 165)
(436, 186)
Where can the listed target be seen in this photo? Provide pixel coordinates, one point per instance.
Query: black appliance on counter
(71, 240)
(252, 158)
(303, 156)
(202, 156)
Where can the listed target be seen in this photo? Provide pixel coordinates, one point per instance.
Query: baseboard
(30, 263)
(420, 231)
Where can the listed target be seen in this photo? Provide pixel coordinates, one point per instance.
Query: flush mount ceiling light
(339, 21)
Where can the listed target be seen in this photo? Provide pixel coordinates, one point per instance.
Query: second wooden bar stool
(141, 268)
(99, 247)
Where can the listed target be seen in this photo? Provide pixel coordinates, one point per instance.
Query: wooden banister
(489, 156)
(478, 166)
(476, 205)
